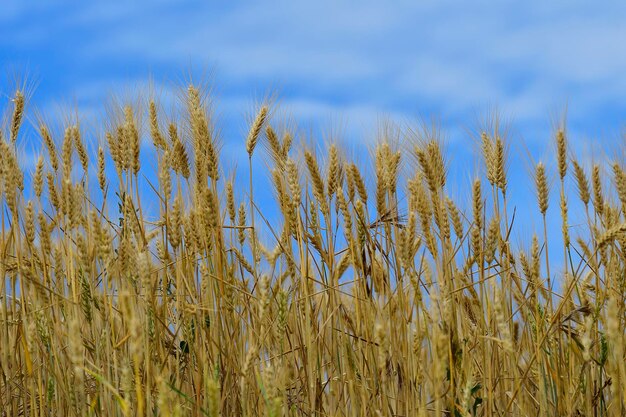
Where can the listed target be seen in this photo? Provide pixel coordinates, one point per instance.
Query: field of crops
(164, 287)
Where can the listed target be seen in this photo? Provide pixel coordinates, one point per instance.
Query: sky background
(342, 67)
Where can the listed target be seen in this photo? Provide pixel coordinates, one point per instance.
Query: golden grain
(142, 299)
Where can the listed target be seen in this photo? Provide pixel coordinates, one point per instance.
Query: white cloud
(433, 56)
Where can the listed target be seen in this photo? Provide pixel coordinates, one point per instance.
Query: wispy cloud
(442, 58)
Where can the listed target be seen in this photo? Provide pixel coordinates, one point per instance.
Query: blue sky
(341, 65)
(356, 59)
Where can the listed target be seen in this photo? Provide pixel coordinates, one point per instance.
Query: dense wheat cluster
(376, 293)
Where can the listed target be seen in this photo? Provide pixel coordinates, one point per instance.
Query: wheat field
(165, 287)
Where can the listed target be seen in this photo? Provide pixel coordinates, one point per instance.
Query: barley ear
(255, 130)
